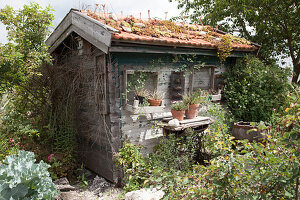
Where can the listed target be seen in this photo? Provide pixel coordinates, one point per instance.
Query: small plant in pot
(155, 98)
(178, 110)
(192, 101)
(140, 94)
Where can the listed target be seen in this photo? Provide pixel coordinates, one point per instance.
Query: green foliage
(176, 153)
(254, 90)
(272, 24)
(133, 165)
(27, 115)
(178, 106)
(250, 171)
(193, 98)
(217, 138)
(18, 128)
(22, 178)
(7, 147)
(26, 50)
(224, 47)
(62, 136)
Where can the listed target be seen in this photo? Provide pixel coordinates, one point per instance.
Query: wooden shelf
(145, 109)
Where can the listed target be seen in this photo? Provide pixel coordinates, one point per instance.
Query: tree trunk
(296, 72)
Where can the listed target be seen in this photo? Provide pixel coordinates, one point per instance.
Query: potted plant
(177, 110)
(140, 94)
(155, 98)
(192, 101)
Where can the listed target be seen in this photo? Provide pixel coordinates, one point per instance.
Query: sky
(128, 7)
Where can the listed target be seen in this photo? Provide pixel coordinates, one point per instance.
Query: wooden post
(149, 15)
(166, 15)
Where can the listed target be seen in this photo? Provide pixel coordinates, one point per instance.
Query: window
(203, 78)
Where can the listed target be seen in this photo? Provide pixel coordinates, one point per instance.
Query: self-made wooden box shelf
(136, 109)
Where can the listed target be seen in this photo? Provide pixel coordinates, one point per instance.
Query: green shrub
(176, 153)
(22, 178)
(178, 106)
(134, 166)
(254, 90)
(251, 171)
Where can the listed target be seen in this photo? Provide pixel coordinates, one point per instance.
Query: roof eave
(88, 28)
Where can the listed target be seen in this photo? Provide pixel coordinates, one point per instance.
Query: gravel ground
(97, 189)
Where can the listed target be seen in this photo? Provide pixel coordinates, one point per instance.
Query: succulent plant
(178, 106)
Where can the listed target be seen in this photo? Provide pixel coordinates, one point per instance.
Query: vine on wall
(225, 47)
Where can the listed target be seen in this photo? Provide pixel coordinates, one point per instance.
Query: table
(199, 124)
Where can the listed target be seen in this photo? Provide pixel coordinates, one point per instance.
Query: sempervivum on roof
(167, 32)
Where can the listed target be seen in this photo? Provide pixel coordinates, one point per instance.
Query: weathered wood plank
(170, 50)
(196, 119)
(97, 22)
(60, 29)
(87, 36)
(60, 39)
(96, 31)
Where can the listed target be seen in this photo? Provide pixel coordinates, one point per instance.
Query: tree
(274, 24)
(22, 56)
(254, 90)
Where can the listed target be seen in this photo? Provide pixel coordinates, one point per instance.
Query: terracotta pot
(154, 102)
(192, 111)
(178, 114)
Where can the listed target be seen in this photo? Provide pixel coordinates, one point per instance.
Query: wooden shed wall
(94, 118)
(139, 128)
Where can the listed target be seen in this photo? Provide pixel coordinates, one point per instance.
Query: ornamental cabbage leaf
(22, 178)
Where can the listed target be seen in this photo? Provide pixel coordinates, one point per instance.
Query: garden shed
(101, 58)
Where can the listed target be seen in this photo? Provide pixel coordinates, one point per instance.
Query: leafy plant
(193, 98)
(254, 90)
(26, 50)
(22, 178)
(176, 153)
(178, 106)
(133, 165)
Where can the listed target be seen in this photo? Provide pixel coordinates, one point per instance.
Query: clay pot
(192, 111)
(178, 114)
(154, 102)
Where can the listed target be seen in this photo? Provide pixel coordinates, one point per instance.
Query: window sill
(145, 109)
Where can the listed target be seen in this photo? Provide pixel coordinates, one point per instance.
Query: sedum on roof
(165, 32)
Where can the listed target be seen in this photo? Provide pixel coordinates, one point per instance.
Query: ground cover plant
(268, 170)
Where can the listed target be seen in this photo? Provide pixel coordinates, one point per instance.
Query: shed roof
(100, 29)
(165, 32)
